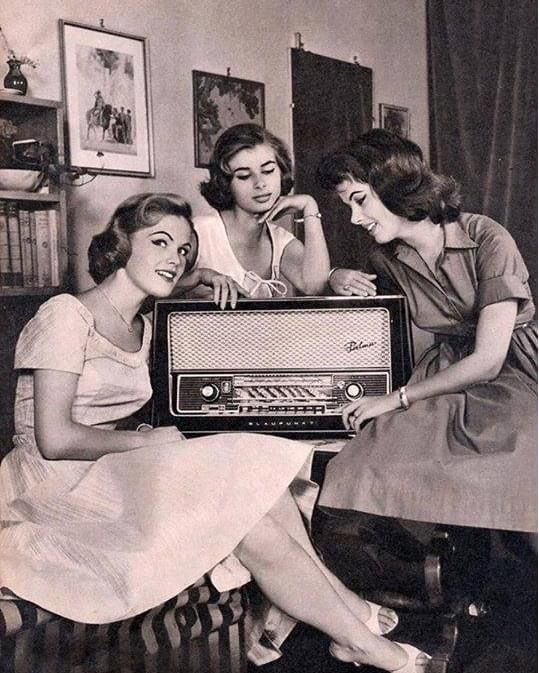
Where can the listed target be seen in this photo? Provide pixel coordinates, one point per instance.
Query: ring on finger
(346, 287)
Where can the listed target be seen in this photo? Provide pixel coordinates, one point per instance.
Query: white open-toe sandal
(413, 653)
(409, 667)
(373, 623)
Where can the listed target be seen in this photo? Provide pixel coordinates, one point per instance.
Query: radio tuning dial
(210, 392)
(354, 391)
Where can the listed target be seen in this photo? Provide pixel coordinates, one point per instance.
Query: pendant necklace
(129, 325)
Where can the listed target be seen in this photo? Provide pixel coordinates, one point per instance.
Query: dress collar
(455, 237)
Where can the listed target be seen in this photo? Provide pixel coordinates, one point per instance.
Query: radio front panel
(281, 366)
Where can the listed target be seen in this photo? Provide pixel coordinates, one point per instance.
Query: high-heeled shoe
(373, 623)
(409, 667)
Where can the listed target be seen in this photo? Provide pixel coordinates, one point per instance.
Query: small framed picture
(106, 89)
(219, 102)
(395, 119)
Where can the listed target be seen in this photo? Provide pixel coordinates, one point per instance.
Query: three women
(99, 524)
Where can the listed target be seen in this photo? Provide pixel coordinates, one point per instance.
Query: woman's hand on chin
(294, 203)
(349, 282)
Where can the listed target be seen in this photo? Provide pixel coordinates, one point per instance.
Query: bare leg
(295, 583)
(286, 513)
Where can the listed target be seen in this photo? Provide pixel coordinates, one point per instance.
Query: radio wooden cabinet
(33, 236)
(283, 366)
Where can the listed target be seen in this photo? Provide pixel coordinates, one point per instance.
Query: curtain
(482, 61)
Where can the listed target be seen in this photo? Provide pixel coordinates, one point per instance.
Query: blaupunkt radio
(282, 366)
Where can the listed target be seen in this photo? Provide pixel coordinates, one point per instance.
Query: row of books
(28, 246)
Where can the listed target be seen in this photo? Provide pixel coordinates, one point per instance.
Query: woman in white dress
(249, 184)
(98, 524)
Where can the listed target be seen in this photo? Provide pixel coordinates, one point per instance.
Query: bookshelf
(42, 120)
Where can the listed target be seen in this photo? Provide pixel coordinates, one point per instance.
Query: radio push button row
(354, 391)
(209, 392)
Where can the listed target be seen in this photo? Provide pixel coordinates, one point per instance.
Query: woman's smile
(368, 211)
(169, 276)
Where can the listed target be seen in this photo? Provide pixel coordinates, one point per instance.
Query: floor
(502, 640)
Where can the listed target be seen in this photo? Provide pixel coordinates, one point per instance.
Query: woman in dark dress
(457, 444)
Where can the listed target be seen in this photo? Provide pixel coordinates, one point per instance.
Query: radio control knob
(210, 392)
(354, 391)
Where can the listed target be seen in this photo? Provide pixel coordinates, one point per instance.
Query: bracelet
(301, 220)
(144, 427)
(403, 398)
(332, 271)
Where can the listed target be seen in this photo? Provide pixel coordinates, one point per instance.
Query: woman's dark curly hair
(216, 190)
(395, 169)
(111, 249)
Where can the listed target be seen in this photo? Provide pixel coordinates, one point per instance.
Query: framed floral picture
(106, 90)
(396, 119)
(219, 102)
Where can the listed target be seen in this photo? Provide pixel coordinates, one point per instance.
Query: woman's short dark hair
(216, 190)
(111, 249)
(395, 169)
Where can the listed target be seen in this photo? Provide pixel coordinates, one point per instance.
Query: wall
(252, 37)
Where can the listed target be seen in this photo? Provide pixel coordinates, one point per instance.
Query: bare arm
(493, 336)
(224, 287)
(60, 438)
(306, 265)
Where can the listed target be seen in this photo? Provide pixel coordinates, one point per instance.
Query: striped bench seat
(198, 631)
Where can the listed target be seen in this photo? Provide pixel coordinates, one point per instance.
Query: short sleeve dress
(465, 458)
(102, 540)
(215, 252)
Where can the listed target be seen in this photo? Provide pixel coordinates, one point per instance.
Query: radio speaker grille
(322, 338)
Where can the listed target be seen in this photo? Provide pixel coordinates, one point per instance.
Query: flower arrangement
(12, 56)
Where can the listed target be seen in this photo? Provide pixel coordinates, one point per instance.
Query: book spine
(26, 248)
(53, 247)
(33, 247)
(14, 236)
(5, 261)
(43, 248)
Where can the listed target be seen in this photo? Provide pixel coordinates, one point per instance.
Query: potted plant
(15, 81)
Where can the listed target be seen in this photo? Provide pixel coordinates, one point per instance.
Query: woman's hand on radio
(224, 287)
(349, 282)
(293, 203)
(358, 412)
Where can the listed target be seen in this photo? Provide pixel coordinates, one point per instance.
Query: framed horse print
(106, 90)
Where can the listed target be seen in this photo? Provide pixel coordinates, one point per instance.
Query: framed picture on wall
(219, 102)
(106, 90)
(396, 119)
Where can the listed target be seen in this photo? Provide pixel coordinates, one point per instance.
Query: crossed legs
(279, 555)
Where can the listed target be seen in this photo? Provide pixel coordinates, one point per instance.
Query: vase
(14, 78)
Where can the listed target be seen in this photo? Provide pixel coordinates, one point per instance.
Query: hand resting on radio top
(459, 421)
(99, 524)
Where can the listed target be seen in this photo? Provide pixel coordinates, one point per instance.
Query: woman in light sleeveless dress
(249, 184)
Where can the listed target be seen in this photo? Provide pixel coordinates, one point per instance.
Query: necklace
(129, 325)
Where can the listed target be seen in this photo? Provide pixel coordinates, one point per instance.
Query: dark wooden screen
(332, 105)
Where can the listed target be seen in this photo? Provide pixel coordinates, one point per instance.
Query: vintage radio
(282, 366)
